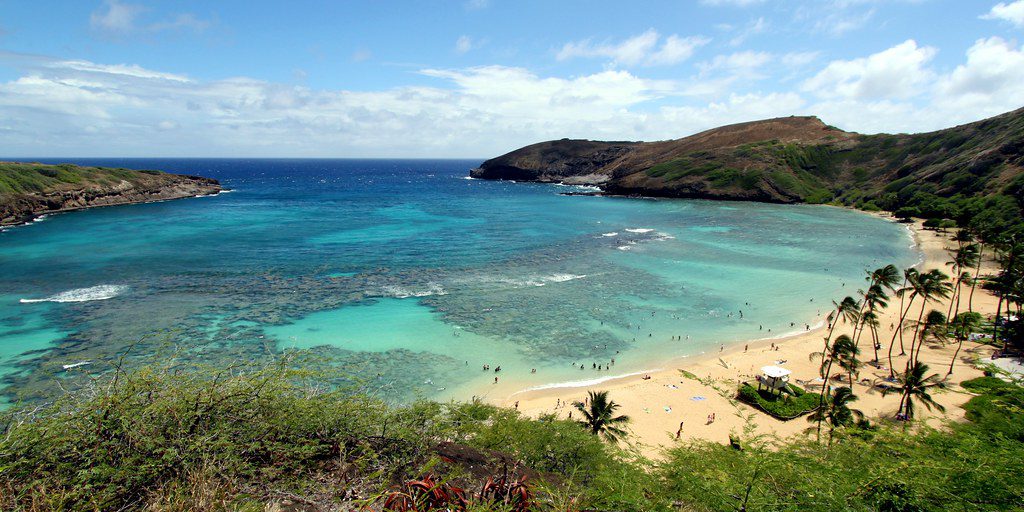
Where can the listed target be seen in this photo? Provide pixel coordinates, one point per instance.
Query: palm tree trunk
(995, 324)
(959, 345)
(917, 328)
(956, 287)
(874, 341)
(956, 309)
(899, 331)
(974, 282)
(821, 399)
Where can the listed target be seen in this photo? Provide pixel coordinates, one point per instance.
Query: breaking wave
(100, 292)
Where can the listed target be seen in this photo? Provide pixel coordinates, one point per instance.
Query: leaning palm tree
(965, 256)
(846, 357)
(838, 412)
(932, 285)
(914, 386)
(843, 345)
(963, 325)
(910, 278)
(847, 309)
(599, 416)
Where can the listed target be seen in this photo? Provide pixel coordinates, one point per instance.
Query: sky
(478, 78)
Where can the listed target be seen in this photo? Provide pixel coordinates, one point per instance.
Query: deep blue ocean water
(409, 276)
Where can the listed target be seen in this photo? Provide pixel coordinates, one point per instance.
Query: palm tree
(963, 325)
(870, 319)
(846, 358)
(965, 256)
(845, 310)
(931, 286)
(838, 412)
(839, 351)
(599, 416)
(913, 385)
(874, 299)
(910, 278)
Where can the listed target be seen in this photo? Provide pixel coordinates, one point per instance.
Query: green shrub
(784, 406)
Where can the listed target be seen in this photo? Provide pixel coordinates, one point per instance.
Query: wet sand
(657, 405)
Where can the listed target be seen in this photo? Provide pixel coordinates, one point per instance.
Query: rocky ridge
(30, 190)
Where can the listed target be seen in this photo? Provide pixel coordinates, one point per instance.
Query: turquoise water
(410, 278)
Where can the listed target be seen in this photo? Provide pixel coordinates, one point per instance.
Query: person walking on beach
(679, 432)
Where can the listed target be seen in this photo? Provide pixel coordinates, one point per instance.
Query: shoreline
(657, 405)
(503, 393)
(38, 215)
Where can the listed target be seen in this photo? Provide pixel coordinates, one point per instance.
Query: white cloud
(798, 59)
(739, 61)
(753, 28)
(991, 81)
(121, 19)
(1012, 12)
(898, 72)
(117, 17)
(463, 44)
(76, 107)
(641, 49)
(116, 69)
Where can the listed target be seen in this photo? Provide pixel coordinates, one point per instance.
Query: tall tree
(910, 278)
(963, 325)
(599, 416)
(837, 351)
(838, 412)
(931, 286)
(965, 256)
(914, 386)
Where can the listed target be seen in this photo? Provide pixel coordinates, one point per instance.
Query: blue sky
(476, 78)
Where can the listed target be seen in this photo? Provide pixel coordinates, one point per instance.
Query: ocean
(407, 277)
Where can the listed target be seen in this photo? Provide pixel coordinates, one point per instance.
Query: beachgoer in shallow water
(495, 380)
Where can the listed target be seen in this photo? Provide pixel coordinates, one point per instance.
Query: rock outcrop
(783, 160)
(30, 190)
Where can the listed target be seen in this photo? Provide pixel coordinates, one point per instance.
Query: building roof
(775, 372)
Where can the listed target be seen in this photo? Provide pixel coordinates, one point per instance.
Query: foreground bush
(239, 438)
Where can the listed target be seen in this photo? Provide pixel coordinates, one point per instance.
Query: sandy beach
(659, 404)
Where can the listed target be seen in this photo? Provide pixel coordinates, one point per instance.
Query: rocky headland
(944, 174)
(28, 190)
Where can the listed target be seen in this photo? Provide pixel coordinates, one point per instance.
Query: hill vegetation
(31, 189)
(169, 438)
(969, 175)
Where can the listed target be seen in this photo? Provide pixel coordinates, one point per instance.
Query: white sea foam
(610, 234)
(403, 293)
(215, 194)
(585, 383)
(101, 292)
(624, 247)
(467, 178)
(639, 230)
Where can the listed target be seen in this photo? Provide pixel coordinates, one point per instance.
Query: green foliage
(785, 406)
(229, 439)
(962, 468)
(548, 444)
(999, 407)
(27, 178)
